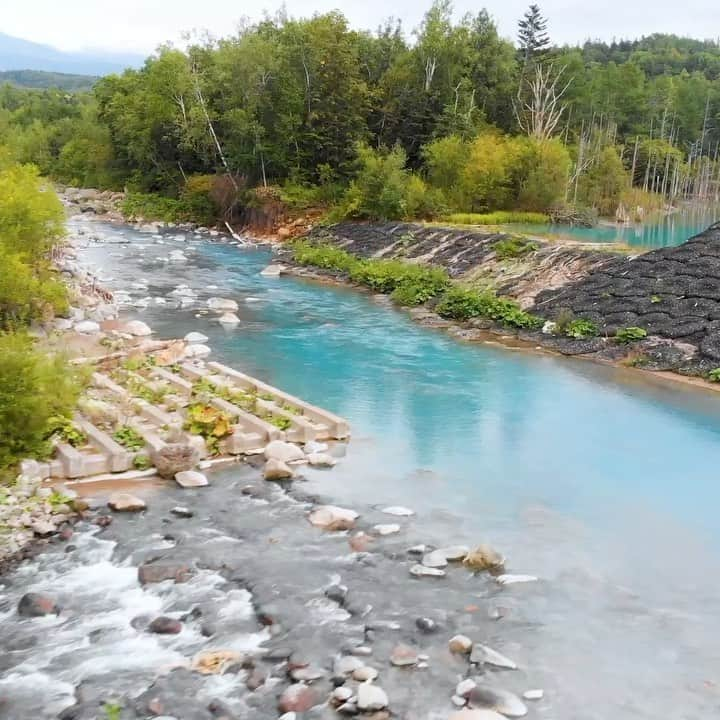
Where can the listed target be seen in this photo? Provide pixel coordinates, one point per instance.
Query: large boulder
(196, 350)
(125, 502)
(175, 458)
(283, 451)
(193, 338)
(277, 470)
(484, 557)
(371, 697)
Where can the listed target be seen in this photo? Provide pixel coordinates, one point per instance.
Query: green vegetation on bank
(413, 284)
(499, 217)
(43, 79)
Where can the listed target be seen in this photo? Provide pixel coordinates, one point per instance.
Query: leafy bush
(152, 207)
(209, 422)
(630, 335)
(197, 202)
(34, 389)
(142, 462)
(500, 217)
(462, 304)
(514, 247)
(66, 431)
(325, 256)
(714, 375)
(580, 329)
(129, 438)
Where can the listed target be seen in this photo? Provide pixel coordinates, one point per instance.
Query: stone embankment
(672, 295)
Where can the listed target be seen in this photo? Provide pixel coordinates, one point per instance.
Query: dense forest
(449, 118)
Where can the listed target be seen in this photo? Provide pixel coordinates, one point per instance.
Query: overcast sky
(140, 25)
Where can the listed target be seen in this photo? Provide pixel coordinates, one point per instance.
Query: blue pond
(672, 229)
(602, 482)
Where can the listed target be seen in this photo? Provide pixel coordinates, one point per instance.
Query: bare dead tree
(539, 109)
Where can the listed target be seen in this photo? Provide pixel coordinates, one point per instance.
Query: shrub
(580, 329)
(462, 304)
(325, 256)
(129, 438)
(65, 431)
(543, 174)
(714, 375)
(142, 462)
(34, 388)
(630, 334)
(209, 422)
(513, 247)
(500, 217)
(197, 203)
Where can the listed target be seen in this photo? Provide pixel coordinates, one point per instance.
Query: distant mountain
(41, 79)
(19, 54)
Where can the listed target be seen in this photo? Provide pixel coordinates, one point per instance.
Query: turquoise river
(600, 481)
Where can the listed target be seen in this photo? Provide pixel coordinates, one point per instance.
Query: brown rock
(298, 698)
(125, 502)
(174, 458)
(216, 662)
(173, 353)
(157, 572)
(483, 557)
(36, 605)
(403, 655)
(165, 626)
(360, 542)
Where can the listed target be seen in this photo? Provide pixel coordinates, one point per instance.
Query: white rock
(229, 318)
(365, 674)
(281, 450)
(194, 338)
(435, 559)
(197, 350)
(514, 579)
(371, 697)
(481, 714)
(273, 270)
(321, 460)
(458, 701)
(222, 304)
(455, 553)
(191, 479)
(312, 446)
(87, 327)
(399, 511)
(534, 694)
(422, 571)
(388, 529)
(137, 328)
(62, 324)
(464, 687)
(549, 327)
(342, 694)
(488, 656)
(347, 665)
(288, 716)
(331, 517)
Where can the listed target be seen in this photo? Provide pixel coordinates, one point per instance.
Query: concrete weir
(139, 404)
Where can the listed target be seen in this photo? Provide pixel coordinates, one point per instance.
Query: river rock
(365, 674)
(482, 654)
(165, 626)
(222, 304)
(193, 338)
(34, 604)
(215, 662)
(346, 665)
(515, 579)
(455, 553)
(43, 528)
(398, 510)
(426, 625)
(277, 470)
(465, 687)
(483, 557)
(307, 674)
(423, 571)
(159, 572)
(502, 701)
(435, 559)
(371, 697)
(191, 479)
(229, 318)
(255, 680)
(534, 694)
(460, 644)
(331, 517)
(137, 328)
(403, 655)
(197, 350)
(272, 271)
(182, 512)
(387, 529)
(321, 460)
(87, 327)
(125, 502)
(284, 451)
(174, 458)
(298, 698)
(341, 695)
